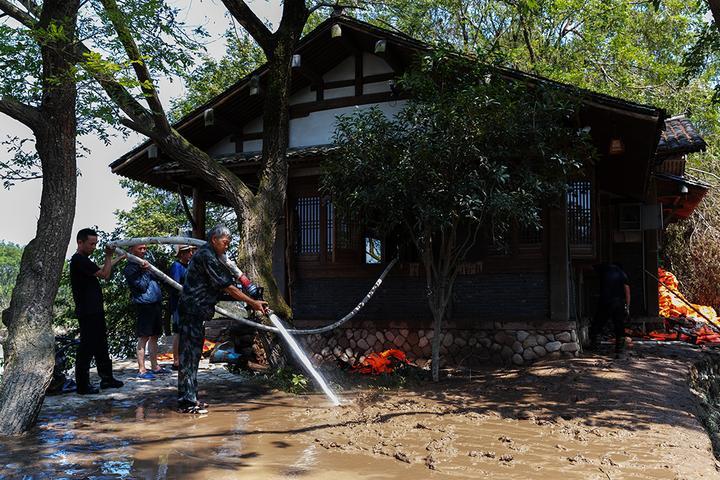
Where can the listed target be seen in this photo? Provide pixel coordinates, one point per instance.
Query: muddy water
(587, 419)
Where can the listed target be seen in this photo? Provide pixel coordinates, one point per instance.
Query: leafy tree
(10, 254)
(470, 150)
(47, 107)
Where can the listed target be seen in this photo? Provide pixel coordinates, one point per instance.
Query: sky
(99, 194)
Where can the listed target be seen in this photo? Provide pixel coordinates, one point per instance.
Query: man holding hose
(207, 279)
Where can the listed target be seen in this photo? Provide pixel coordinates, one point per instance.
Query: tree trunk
(438, 314)
(29, 348)
(265, 211)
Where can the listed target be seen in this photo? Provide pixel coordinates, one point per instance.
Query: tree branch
(141, 71)
(20, 15)
(250, 22)
(25, 114)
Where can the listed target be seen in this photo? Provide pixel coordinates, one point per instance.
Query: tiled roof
(679, 137)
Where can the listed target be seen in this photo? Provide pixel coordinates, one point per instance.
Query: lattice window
(308, 225)
(579, 208)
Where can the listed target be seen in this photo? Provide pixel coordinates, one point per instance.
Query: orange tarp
(672, 307)
(207, 346)
(384, 362)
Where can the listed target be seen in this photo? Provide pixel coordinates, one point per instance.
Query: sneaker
(88, 390)
(193, 410)
(161, 371)
(146, 376)
(112, 383)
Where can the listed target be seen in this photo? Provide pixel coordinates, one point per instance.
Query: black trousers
(93, 344)
(614, 310)
(192, 336)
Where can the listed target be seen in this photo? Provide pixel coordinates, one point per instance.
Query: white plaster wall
(376, 87)
(345, 70)
(374, 65)
(339, 92)
(318, 127)
(223, 147)
(303, 96)
(252, 145)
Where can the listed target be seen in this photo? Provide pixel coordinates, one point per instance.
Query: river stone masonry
(458, 347)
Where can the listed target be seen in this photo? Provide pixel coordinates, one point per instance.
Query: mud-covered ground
(583, 418)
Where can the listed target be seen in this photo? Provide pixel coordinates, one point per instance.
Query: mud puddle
(589, 418)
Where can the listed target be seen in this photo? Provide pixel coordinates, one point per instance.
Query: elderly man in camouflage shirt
(207, 279)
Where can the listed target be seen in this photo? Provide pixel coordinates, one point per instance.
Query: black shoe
(112, 383)
(88, 390)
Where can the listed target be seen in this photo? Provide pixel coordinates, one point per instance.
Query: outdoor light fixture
(617, 147)
(335, 31)
(209, 117)
(296, 61)
(152, 151)
(380, 46)
(254, 85)
(683, 189)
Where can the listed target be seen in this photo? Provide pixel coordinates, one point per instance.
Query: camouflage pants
(192, 335)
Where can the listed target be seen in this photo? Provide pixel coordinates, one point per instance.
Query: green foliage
(212, 77)
(469, 147)
(287, 380)
(10, 255)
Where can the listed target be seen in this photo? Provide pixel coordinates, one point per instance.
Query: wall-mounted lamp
(152, 151)
(254, 85)
(296, 61)
(209, 117)
(683, 189)
(336, 31)
(380, 46)
(617, 146)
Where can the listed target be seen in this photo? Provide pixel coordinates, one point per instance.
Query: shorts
(175, 320)
(149, 319)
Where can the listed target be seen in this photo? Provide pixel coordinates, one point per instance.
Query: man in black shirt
(614, 303)
(84, 274)
(206, 280)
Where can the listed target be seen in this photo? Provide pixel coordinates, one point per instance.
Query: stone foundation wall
(500, 343)
(459, 347)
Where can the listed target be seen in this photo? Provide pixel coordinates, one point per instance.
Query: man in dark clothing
(206, 280)
(146, 297)
(614, 303)
(84, 274)
(178, 271)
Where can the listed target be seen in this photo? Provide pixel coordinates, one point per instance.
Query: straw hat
(182, 248)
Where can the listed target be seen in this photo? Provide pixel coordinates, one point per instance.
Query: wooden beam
(198, 213)
(305, 109)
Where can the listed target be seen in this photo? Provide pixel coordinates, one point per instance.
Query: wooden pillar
(559, 264)
(198, 213)
(650, 250)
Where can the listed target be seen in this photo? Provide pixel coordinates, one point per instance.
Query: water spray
(250, 288)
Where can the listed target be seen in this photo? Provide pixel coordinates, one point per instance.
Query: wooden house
(517, 304)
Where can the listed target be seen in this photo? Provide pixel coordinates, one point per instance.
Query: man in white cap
(178, 271)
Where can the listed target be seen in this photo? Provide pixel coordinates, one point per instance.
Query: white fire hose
(236, 272)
